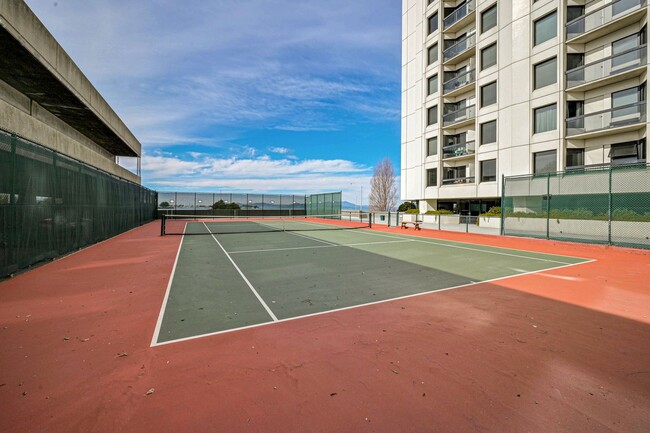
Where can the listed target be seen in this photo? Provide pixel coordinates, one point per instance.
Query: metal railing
(459, 13)
(600, 17)
(464, 44)
(459, 115)
(457, 82)
(607, 119)
(460, 149)
(602, 166)
(458, 180)
(608, 66)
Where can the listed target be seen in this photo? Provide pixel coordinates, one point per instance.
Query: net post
(162, 225)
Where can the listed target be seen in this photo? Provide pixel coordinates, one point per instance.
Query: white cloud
(280, 150)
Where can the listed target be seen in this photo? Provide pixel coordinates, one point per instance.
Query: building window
(489, 170)
(433, 23)
(432, 146)
(574, 12)
(489, 19)
(622, 49)
(489, 94)
(545, 118)
(545, 28)
(433, 53)
(545, 73)
(489, 132)
(544, 162)
(489, 56)
(575, 158)
(432, 115)
(433, 84)
(432, 177)
(627, 153)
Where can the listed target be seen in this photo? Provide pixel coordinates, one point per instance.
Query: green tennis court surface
(224, 282)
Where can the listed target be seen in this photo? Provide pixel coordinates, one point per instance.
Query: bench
(415, 224)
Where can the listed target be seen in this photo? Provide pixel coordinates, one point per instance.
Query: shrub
(413, 211)
(164, 204)
(439, 212)
(494, 211)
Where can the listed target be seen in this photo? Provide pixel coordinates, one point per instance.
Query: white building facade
(512, 87)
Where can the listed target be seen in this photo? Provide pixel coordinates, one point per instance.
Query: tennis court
(250, 272)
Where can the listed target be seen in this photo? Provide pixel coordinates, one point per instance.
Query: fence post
(503, 201)
(609, 209)
(548, 205)
(388, 224)
(439, 218)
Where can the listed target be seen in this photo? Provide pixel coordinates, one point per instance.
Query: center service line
(266, 307)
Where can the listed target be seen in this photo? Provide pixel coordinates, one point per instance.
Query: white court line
(266, 307)
(156, 331)
(478, 250)
(321, 246)
(194, 337)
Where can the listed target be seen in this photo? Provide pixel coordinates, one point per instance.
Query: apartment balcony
(613, 121)
(628, 64)
(459, 151)
(458, 180)
(461, 17)
(606, 19)
(458, 118)
(461, 50)
(458, 84)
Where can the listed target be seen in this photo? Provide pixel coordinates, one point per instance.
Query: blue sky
(245, 95)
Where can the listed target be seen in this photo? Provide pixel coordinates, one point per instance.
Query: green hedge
(583, 214)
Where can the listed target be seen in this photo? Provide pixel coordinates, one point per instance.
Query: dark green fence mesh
(324, 204)
(51, 204)
(609, 205)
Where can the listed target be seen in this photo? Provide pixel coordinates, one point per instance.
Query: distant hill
(346, 205)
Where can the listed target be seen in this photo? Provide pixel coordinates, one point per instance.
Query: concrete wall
(20, 114)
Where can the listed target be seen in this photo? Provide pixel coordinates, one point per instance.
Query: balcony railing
(608, 66)
(600, 17)
(459, 115)
(464, 44)
(459, 81)
(460, 149)
(625, 115)
(458, 180)
(459, 13)
(605, 166)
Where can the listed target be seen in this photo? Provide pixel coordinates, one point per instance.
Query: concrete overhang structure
(44, 96)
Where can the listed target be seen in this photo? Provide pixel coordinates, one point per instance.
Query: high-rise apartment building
(510, 87)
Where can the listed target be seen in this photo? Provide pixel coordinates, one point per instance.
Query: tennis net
(205, 225)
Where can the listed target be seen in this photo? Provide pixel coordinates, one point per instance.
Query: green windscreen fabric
(51, 204)
(609, 205)
(323, 204)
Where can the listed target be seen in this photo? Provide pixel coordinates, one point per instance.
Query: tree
(164, 204)
(406, 206)
(383, 191)
(223, 205)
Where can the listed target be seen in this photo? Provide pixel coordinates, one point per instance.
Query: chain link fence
(607, 205)
(324, 204)
(229, 204)
(51, 204)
